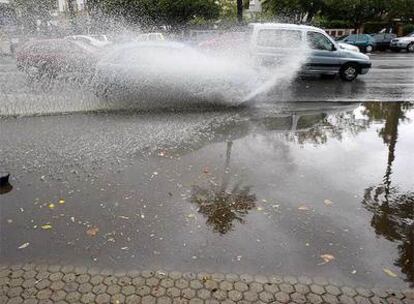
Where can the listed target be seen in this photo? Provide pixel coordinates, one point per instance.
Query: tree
(295, 10)
(155, 12)
(30, 11)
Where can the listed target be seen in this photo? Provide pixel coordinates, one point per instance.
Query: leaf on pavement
(328, 202)
(303, 208)
(390, 273)
(327, 258)
(46, 226)
(92, 231)
(25, 245)
(51, 206)
(61, 201)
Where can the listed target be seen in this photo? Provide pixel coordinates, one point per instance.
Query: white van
(270, 42)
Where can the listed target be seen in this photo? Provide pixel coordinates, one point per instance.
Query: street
(315, 180)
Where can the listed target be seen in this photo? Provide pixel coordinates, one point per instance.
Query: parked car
(348, 47)
(364, 42)
(150, 37)
(56, 57)
(403, 43)
(93, 40)
(383, 40)
(272, 41)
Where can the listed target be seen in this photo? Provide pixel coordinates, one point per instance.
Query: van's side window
(279, 38)
(318, 41)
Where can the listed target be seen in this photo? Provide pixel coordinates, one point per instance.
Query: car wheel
(349, 71)
(369, 49)
(410, 48)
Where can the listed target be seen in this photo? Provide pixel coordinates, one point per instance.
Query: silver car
(272, 41)
(403, 43)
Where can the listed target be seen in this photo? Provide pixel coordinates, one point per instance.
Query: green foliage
(170, 12)
(32, 10)
(294, 9)
(408, 28)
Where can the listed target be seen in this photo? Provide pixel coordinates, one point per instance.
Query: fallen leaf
(206, 170)
(327, 258)
(303, 208)
(92, 231)
(328, 202)
(61, 201)
(51, 206)
(259, 209)
(390, 273)
(123, 217)
(191, 215)
(46, 226)
(23, 246)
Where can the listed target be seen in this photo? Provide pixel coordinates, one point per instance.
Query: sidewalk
(67, 284)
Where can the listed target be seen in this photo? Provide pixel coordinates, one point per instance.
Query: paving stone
(213, 301)
(15, 300)
(220, 294)
(27, 301)
(330, 299)
(96, 279)
(85, 288)
(15, 292)
(196, 301)
(246, 278)
(317, 289)
(138, 281)
(99, 289)
(203, 293)
(333, 290)
(348, 291)
(151, 282)
(282, 297)
(67, 269)
(175, 275)
(28, 283)
(301, 288)
(181, 283)
(128, 290)
(124, 281)
(29, 274)
(56, 276)
(158, 291)
(320, 281)
(147, 274)
(298, 298)
(58, 295)
(103, 298)
(265, 296)
(42, 284)
(218, 276)
(364, 292)
(69, 277)
(16, 282)
(191, 276)
(232, 277)
(143, 290)
(54, 268)
(110, 280)
(133, 299)
(271, 287)
(344, 299)
(71, 286)
(305, 280)
(314, 298)
(241, 286)
(195, 284)
(226, 285)
(73, 297)
(44, 294)
(164, 300)
(256, 287)
(210, 284)
(287, 288)
(377, 300)
(83, 278)
(148, 300)
(113, 289)
(118, 299)
(29, 293)
(409, 293)
(361, 300)
(88, 298)
(173, 292)
(17, 273)
(188, 293)
(261, 279)
(42, 275)
(394, 300)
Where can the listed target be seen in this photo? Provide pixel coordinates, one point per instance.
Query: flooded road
(298, 188)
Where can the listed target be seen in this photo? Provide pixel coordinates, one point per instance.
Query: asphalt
(315, 188)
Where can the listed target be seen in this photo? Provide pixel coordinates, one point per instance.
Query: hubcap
(411, 48)
(369, 49)
(350, 72)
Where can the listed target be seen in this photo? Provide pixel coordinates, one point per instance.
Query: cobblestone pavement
(67, 284)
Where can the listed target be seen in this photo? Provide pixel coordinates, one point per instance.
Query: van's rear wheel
(349, 71)
(410, 48)
(369, 49)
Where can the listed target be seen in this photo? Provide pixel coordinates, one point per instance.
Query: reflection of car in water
(271, 42)
(56, 57)
(364, 42)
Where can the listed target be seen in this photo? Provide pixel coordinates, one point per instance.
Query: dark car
(383, 40)
(56, 57)
(364, 42)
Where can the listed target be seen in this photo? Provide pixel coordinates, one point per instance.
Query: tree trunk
(240, 11)
(71, 11)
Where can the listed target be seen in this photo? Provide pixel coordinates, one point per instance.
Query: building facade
(78, 5)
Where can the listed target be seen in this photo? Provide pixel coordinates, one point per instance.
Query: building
(255, 6)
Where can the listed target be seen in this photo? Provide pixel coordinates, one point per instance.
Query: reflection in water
(223, 206)
(6, 188)
(393, 212)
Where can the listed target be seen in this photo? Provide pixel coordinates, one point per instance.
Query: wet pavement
(315, 189)
(390, 79)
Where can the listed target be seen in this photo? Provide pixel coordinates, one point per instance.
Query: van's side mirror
(333, 48)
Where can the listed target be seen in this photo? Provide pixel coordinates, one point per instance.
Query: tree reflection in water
(223, 206)
(393, 212)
